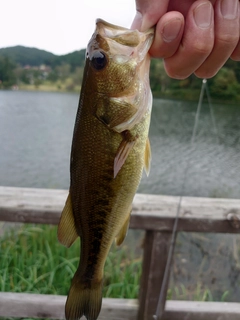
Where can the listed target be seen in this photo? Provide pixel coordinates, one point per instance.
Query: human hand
(191, 36)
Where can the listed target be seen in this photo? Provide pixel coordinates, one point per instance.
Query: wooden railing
(152, 213)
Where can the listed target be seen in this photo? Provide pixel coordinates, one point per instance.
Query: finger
(148, 13)
(197, 41)
(226, 37)
(168, 35)
(236, 53)
(182, 6)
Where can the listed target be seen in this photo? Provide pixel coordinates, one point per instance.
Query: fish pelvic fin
(123, 232)
(84, 299)
(67, 233)
(147, 157)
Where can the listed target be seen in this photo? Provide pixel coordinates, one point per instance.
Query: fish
(110, 148)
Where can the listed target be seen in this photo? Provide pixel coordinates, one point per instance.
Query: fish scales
(109, 150)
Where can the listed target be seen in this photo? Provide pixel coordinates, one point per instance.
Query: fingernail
(137, 21)
(229, 9)
(171, 30)
(203, 15)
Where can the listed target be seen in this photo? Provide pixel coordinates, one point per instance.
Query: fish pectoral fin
(123, 151)
(67, 233)
(123, 232)
(147, 157)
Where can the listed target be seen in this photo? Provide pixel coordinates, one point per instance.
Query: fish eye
(98, 60)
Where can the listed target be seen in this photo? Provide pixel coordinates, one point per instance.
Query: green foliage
(66, 72)
(225, 85)
(74, 60)
(198, 293)
(35, 57)
(158, 77)
(122, 274)
(234, 65)
(63, 71)
(26, 56)
(32, 260)
(22, 65)
(22, 75)
(7, 77)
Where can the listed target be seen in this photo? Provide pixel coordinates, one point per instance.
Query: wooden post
(156, 247)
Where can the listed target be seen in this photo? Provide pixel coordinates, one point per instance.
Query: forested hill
(34, 57)
(31, 68)
(74, 59)
(26, 56)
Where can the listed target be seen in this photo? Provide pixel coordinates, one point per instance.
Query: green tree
(225, 85)
(77, 76)
(53, 76)
(7, 76)
(63, 71)
(235, 66)
(25, 76)
(158, 77)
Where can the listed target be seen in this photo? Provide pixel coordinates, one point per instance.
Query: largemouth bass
(110, 148)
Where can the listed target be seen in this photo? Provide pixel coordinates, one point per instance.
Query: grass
(32, 260)
(198, 294)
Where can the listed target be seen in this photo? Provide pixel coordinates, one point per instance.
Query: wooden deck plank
(51, 306)
(150, 212)
(198, 310)
(23, 305)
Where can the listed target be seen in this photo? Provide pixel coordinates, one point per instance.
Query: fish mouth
(121, 35)
(114, 39)
(110, 25)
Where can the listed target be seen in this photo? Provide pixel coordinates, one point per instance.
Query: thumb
(148, 13)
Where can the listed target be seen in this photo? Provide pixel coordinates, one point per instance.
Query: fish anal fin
(84, 299)
(123, 232)
(147, 157)
(123, 151)
(67, 233)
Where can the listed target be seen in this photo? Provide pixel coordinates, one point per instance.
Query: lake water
(36, 132)
(35, 141)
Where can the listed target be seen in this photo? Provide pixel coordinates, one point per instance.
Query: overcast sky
(58, 26)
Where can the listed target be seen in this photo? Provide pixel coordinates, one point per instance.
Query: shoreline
(185, 96)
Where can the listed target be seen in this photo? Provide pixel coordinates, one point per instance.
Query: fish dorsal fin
(147, 157)
(123, 232)
(67, 233)
(122, 154)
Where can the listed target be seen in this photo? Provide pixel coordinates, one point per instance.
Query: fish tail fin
(84, 298)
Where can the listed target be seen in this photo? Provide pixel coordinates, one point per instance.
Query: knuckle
(168, 54)
(175, 73)
(228, 39)
(202, 48)
(162, 50)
